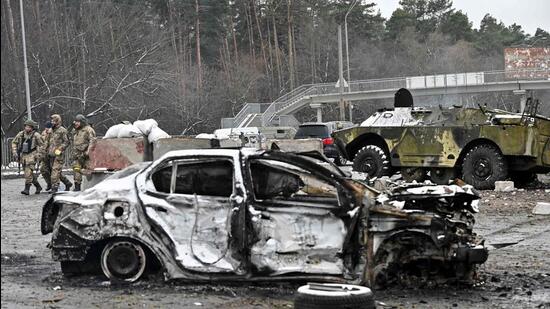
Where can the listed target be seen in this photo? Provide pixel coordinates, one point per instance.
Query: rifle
(18, 158)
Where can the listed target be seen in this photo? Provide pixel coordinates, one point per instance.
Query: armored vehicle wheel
(123, 260)
(372, 160)
(483, 166)
(442, 176)
(411, 174)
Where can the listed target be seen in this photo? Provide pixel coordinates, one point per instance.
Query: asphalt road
(515, 276)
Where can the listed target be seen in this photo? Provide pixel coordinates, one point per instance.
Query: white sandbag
(146, 125)
(156, 134)
(129, 130)
(112, 132)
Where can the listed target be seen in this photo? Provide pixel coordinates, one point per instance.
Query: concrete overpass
(279, 113)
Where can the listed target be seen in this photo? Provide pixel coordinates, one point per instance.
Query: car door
(293, 217)
(192, 200)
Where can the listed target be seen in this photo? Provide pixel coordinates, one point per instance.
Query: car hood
(112, 188)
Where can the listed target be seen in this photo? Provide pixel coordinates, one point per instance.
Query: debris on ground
(504, 186)
(542, 208)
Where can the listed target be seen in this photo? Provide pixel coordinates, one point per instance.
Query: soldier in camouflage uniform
(25, 147)
(58, 142)
(83, 137)
(45, 167)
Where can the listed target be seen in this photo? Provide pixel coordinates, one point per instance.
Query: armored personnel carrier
(478, 145)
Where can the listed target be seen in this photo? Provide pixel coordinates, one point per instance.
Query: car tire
(484, 165)
(333, 296)
(123, 260)
(372, 160)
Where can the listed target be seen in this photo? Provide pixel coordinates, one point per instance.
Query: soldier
(45, 166)
(83, 137)
(58, 142)
(25, 147)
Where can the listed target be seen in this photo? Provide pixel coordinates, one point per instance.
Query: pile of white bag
(147, 127)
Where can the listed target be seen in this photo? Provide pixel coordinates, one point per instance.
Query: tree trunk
(290, 46)
(198, 43)
(277, 54)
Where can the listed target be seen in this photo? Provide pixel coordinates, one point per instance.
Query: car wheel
(483, 166)
(123, 260)
(442, 176)
(333, 296)
(411, 174)
(372, 160)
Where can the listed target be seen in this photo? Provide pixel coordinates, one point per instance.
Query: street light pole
(27, 87)
(347, 53)
(341, 83)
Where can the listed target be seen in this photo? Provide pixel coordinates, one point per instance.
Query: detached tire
(372, 160)
(333, 296)
(123, 260)
(483, 166)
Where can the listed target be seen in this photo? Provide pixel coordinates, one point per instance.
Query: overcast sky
(530, 14)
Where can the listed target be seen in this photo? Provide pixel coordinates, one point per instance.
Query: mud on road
(517, 274)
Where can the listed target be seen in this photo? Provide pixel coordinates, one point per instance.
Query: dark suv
(323, 130)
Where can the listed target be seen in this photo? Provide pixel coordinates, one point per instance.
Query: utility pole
(27, 87)
(347, 54)
(341, 77)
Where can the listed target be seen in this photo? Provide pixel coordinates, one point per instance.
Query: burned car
(243, 214)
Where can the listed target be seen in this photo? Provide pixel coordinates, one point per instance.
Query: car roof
(313, 124)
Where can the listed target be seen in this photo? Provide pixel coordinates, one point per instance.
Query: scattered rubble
(504, 186)
(542, 208)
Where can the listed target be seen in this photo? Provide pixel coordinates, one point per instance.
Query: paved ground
(517, 275)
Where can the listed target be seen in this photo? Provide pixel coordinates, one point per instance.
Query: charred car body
(478, 145)
(230, 214)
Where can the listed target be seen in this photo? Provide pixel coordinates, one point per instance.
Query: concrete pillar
(318, 106)
(522, 100)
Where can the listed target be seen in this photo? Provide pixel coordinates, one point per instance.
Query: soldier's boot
(27, 188)
(54, 189)
(38, 187)
(76, 186)
(67, 184)
(48, 185)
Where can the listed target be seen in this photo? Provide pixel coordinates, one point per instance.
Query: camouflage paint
(437, 138)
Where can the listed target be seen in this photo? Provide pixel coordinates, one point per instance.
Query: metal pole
(347, 42)
(341, 73)
(27, 87)
(347, 54)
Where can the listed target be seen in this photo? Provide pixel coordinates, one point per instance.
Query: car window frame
(196, 159)
(331, 181)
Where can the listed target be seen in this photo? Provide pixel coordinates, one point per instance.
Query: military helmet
(81, 118)
(30, 123)
(56, 117)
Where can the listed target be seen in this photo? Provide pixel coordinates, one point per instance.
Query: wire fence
(9, 162)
